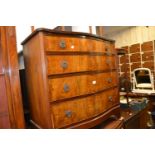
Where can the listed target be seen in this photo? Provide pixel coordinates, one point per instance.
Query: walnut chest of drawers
(71, 78)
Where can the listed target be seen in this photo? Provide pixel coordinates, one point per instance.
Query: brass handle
(109, 80)
(64, 64)
(110, 98)
(66, 88)
(107, 53)
(62, 44)
(68, 113)
(108, 62)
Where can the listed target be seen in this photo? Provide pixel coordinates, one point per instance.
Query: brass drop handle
(64, 64)
(62, 44)
(109, 80)
(66, 88)
(68, 113)
(110, 98)
(107, 53)
(108, 62)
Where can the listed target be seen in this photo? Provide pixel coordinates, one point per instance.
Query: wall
(140, 45)
(133, 35)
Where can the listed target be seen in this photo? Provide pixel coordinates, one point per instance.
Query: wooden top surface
(78, 34)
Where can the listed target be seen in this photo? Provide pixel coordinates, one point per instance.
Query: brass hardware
(109, 80)
(107, 53)
(110, 98)
(64, 64)
(68, 113)
(66, 88)
(62, 44)
(108, 62)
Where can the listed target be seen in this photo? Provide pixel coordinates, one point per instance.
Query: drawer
(73, 44)
(148, 56)
(135, 57)
(67, 87)
(70, 112)
(3, 97)
(61, 64)
(91, 45)
(147, 46)
(134, 48)
(125, 67)
(135, 65)
(124, 59)
(149, 65)
(62, 43)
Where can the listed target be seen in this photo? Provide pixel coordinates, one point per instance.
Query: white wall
(133, 35)
(23, 31)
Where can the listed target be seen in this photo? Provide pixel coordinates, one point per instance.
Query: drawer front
(149, 65)
(124, 59)
(135, 57)
(148, 56)
(147, 46)
(72, 44)
(61, 64)
(54, 44)
(135, 65)
(69, 112)
(134, 48)
(125, 67)
(89, 45)
(67, 87)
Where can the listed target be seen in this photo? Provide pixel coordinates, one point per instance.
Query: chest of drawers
(71, 78)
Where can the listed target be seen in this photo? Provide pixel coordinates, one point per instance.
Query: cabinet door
(4, 116)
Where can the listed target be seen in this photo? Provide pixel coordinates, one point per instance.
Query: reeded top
(50, 31)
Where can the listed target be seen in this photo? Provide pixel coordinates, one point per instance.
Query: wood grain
(82, 109)
(80, 85)
(79, 63)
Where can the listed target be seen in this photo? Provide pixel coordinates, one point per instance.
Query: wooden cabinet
(11, 110)
(71, 78)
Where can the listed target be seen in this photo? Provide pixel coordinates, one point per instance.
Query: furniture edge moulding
(11, 74)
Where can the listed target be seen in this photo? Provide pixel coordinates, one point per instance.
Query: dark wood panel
(134, 48)
(61, 64)
(135, 57)
(67, 87)
(148, 56)
(147, 46)
(70, 112)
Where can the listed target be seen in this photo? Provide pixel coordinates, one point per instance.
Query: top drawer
(71, 44)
